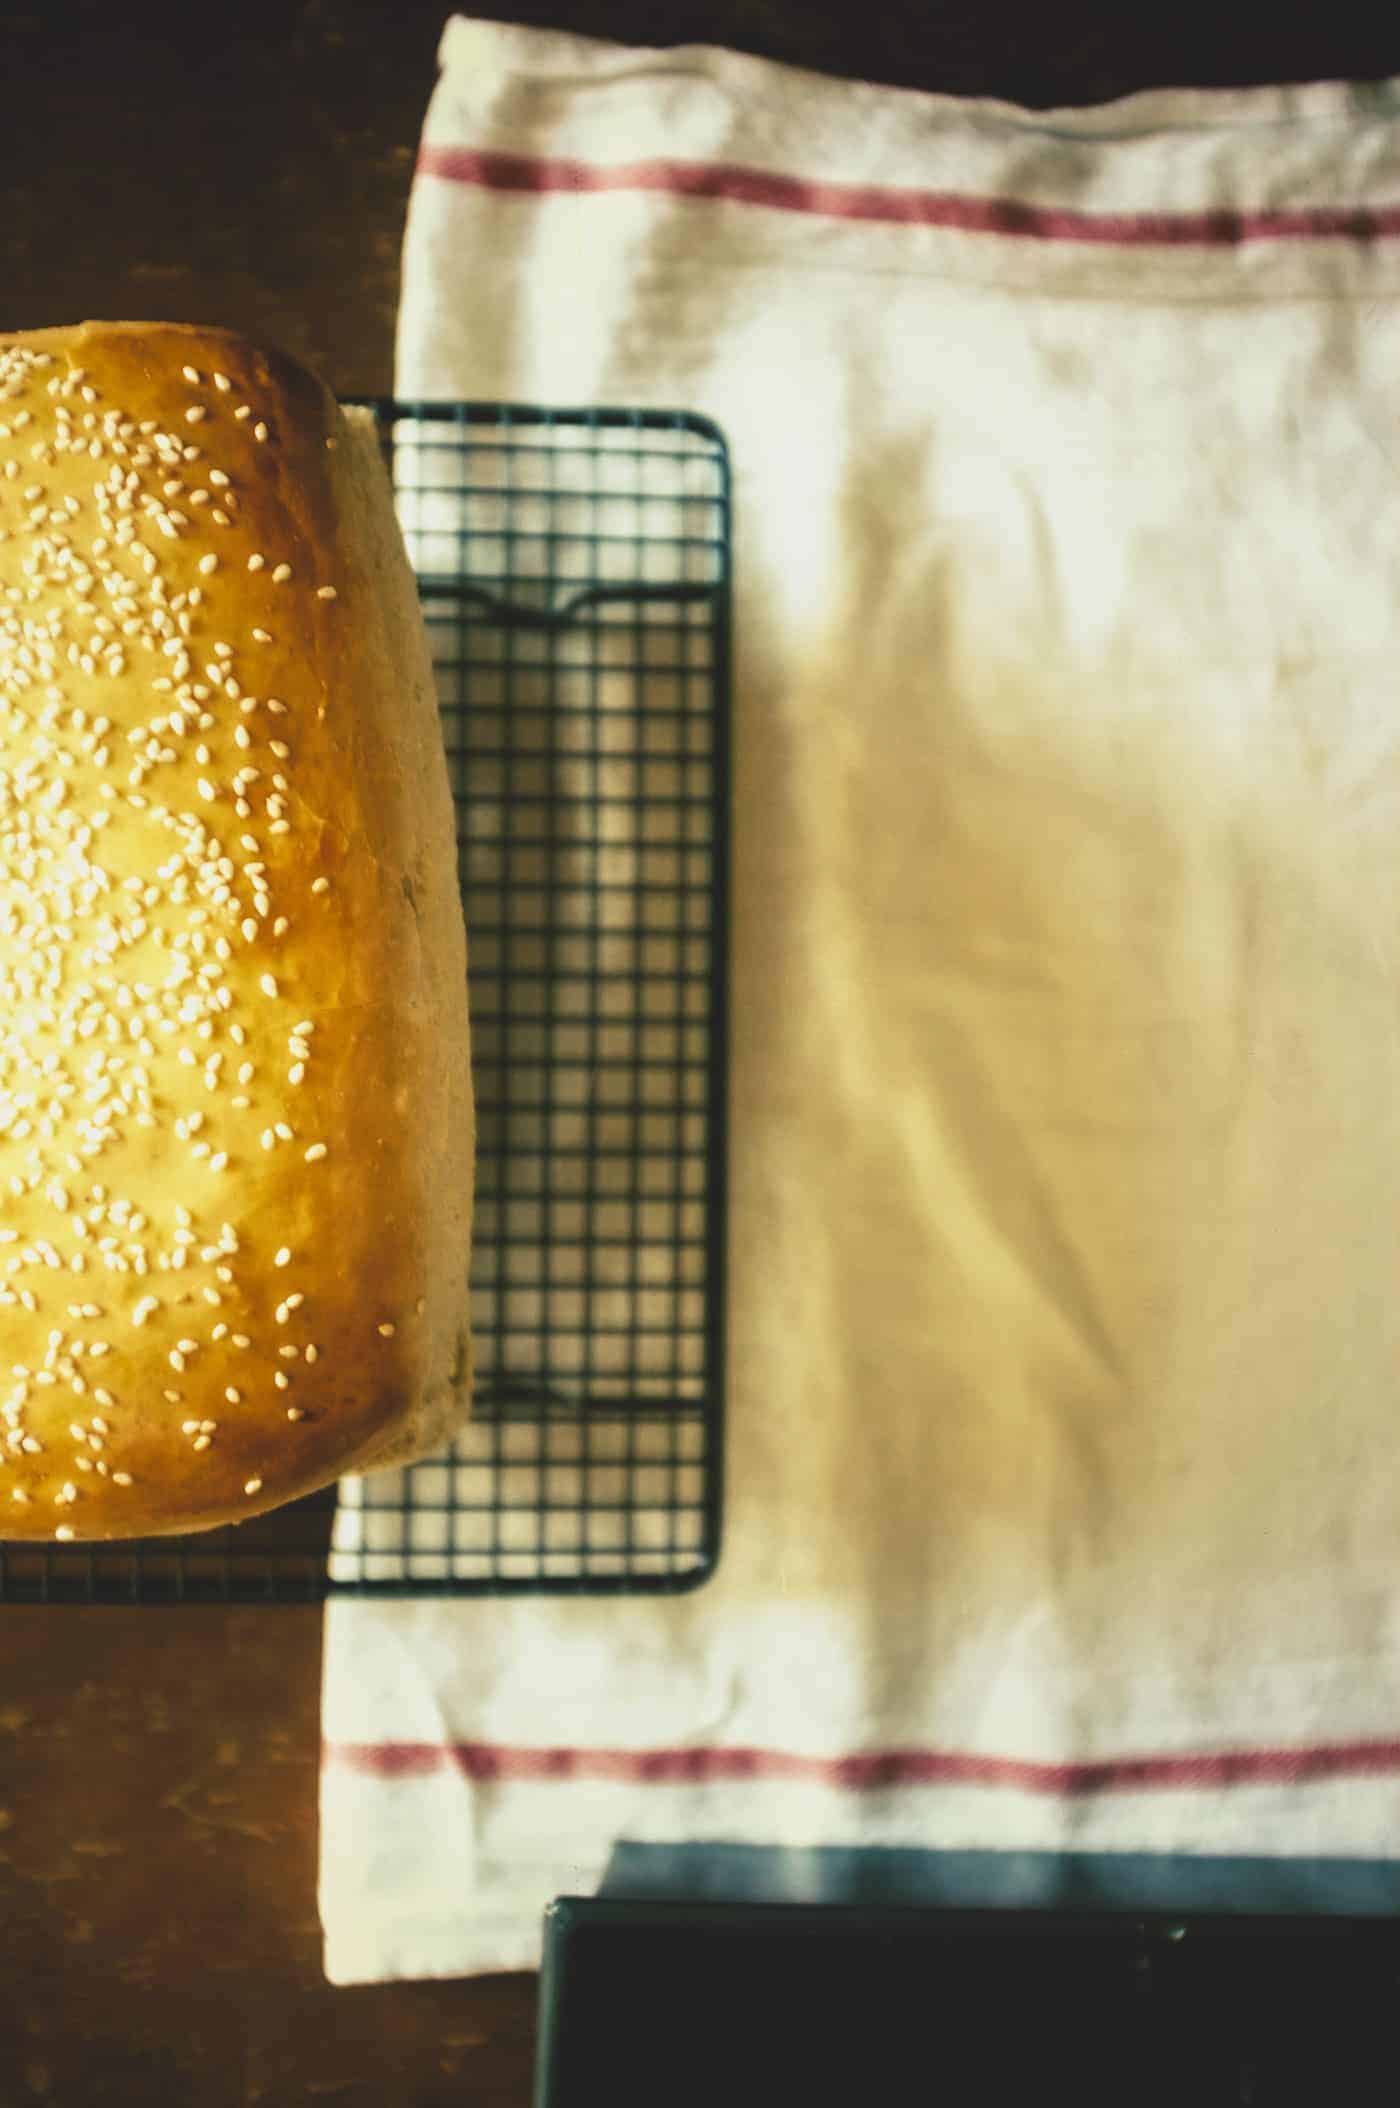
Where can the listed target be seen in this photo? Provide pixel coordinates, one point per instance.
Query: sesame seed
(325, 593)
(295, 1302)
(296, 1072)
(256, 561)
(320, 885)
(241, 1339)
(260, 431)
(313, 1353)
(268, 985)
(222, 383)
(191, 374)
(243, 411)
(200, 1442)
(294, 1412)
(121, 1478)
(315, 1153)
(262, 636)
(253, 1486)
(281, 573)
(387, 1331)
(233, 1395)
(196, 415)
(282, 1382)
(284, 1257)
(209, 563)
(64, 1534)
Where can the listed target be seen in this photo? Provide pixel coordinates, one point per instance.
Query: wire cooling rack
(574, 570)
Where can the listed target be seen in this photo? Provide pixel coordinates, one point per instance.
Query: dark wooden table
(158, 1930)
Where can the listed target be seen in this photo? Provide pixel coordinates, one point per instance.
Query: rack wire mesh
(574, 570)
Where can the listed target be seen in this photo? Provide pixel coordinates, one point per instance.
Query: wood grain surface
(158, 1931)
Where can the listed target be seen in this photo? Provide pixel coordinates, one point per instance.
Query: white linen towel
(1064, 1470)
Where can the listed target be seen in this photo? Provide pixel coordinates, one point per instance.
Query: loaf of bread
(235, 1102)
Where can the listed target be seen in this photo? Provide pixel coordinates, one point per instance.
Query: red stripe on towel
(1012, 217)
(873, 1771)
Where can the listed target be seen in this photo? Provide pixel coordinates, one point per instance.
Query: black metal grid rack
(574, 571)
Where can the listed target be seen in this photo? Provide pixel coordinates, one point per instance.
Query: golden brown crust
(206, 973)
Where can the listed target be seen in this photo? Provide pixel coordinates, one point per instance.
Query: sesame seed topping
(256, 561)
(63, 1534)
(121, 1478)
(129, 1027)
(387, 1331)
(253, 1486)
